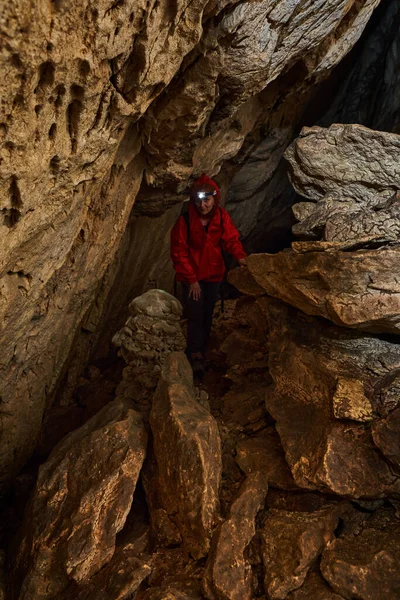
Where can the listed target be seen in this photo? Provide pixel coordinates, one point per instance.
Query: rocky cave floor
(272, 539)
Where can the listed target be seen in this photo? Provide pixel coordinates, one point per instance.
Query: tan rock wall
(83, 114)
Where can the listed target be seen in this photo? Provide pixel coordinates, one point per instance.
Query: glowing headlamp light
(203, 195)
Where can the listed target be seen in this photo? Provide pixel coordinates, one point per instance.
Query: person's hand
(195, 290)
(242, 262)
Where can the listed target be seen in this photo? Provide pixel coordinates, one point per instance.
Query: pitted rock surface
(291, 543)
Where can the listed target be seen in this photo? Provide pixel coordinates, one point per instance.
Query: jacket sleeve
(230, 237)
(180, 252)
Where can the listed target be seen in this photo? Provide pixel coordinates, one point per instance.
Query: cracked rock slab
(187, 449)
(291, 542)
(228, 574)
(80, 502)
(318, 284)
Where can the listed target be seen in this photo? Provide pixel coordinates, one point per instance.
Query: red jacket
(201, 259)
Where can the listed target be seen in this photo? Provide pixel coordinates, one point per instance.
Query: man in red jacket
(197, 240)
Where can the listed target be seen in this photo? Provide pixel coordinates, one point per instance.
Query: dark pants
(199, 314)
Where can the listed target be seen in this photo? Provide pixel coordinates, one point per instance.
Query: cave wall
(96, 96)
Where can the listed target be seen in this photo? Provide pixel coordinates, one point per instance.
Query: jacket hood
(205, 182)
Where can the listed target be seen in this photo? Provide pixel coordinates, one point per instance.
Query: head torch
(202, 195)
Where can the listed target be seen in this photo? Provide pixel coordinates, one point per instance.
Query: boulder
(365, 564)
(350, 161)
(228, 574)
(318, 284)
(292, 541)
(308, 357)
(80, 502)
(244, 407)
(372, 221)
(187, 450)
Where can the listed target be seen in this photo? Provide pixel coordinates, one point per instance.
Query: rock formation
(81, 500)
(113, 105)
(279, 477)
(188, 456)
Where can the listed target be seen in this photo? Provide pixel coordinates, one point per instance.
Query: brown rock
(228, 573)
(291, 543)
(314, 588)
(365, 564)
(263, 452)
(243, 280)
(307, 356)
(188, 454)
(164, 532)
(118, 580)
(318, 284)
(386, 435)
(81, 500)
(244, 408)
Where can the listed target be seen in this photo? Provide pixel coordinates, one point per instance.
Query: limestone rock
(365, 564)
(318, 284)
(188, 454)
(263, 452)
(152, 331)
(386, 435)
(174, 576)
(346, 221)
(156, 304)
(349, 161)
(291, 543)
(228, 572)
(307, 356)
(83, 117)
(81, 500)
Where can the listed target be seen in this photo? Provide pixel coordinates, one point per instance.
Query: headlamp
(203, 195)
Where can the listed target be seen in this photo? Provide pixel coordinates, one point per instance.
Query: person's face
(206, 204)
